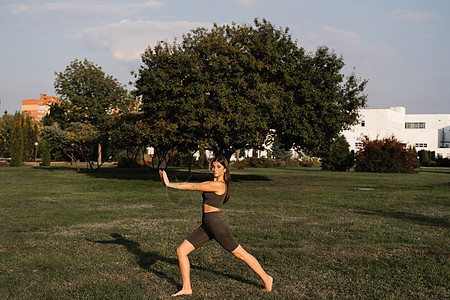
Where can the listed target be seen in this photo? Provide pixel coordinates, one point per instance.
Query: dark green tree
(320, 102)
(129, 134)
(88, 95)
(6, 128)
(224, 88)
(17, 142)
(172, 106)
(337, 156)
(46, 155)
(30, 129)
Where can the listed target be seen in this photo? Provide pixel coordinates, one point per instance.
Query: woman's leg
(251, 261)
(182, 253)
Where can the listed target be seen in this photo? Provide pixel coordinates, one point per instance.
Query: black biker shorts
(213, 227)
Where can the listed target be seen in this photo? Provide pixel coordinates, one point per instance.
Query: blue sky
(400, 46)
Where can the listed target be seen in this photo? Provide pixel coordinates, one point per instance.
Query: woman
(215, 194)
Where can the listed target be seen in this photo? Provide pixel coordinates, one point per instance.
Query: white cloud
(81, 8)
(127, 40)
(353, 47)
(411, 17)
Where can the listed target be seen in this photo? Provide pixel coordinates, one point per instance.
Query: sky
(400, 46)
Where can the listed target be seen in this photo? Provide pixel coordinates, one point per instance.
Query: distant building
(38, 108)
(422, 131)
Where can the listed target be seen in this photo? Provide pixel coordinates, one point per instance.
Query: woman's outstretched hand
(164, 177)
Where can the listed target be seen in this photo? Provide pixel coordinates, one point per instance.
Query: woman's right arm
(207, 186)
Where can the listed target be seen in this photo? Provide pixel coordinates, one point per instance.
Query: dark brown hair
(226, 176)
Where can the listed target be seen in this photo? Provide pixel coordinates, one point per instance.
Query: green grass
(113, 235)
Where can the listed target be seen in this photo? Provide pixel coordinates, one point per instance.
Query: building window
(363, 123)
(415, 125)
(421, 145)
(358, 145)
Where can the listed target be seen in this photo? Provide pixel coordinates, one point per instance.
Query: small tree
(6, 127)
(387, 155)
(17, 142)
(337, 156)
(46, 155)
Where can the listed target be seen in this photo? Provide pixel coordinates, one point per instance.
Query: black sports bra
(214, 200)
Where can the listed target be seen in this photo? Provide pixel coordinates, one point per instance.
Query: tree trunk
(99, 158)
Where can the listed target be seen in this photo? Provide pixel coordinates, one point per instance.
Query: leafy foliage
(31, 131)
(17, 142)
(337, 156)
(88, 101)
(386, 155)
(29, 135)
(6, 128)
(223, 89)
(129, 133)
(86, 93)
(46, 155)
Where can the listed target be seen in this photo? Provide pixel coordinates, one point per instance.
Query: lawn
(113, 234)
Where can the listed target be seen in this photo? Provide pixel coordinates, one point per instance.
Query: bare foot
(268, 284)
(182, 292)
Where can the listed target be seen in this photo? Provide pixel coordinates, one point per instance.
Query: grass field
(113, 235)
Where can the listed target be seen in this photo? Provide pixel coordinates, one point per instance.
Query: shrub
(338, 156)
(443, 162)
(126, 162)
(46, 155)
(17, 142)
(385, 156)
(427, 158)
(310, 162)
(240, 164)
(255, 162)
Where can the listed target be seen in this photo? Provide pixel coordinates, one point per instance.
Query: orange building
(38, 108)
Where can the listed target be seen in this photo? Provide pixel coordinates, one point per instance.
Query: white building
(423, 131)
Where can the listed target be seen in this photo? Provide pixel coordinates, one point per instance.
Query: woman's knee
(185, 248)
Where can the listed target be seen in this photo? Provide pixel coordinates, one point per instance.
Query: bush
(46, 155)
(310, 162)
(386, 156)
(240, 164)
(338, 156)
(17, 142)
(255, 162)
(125, 162)
(443, 162)
(427, 158)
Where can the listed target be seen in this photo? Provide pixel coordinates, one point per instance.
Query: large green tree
(227, 86)
(172, 105)
(87, 95)
(320, 102)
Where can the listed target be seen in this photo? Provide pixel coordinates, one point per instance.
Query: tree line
(223, 89)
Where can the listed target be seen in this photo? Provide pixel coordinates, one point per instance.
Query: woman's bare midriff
(209, 209)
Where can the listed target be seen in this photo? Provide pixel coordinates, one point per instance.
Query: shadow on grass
(146, 260)
(412, 217)
(197, 175)
(53, 168)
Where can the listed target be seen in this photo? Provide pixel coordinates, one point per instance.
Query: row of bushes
(254, 162)
(428, 159)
